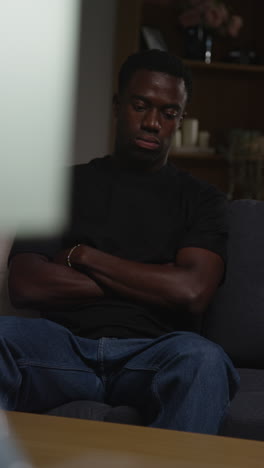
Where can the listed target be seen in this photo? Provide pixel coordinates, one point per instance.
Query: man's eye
(139, 107)
(171, 115)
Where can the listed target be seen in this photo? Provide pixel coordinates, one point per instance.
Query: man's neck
(135, 165)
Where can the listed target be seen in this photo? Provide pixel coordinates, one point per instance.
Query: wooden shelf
(224, 66)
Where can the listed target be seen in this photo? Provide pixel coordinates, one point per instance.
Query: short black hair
(155, 60)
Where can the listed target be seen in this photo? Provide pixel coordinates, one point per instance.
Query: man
(121, 292)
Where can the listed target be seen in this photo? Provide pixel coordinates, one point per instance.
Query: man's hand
(61, 257)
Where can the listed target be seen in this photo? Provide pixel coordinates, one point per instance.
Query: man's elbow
(198, 302)
(18, 300)
(194, 299)
(21, 296)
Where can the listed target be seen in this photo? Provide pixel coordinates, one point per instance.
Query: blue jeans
(177, 381)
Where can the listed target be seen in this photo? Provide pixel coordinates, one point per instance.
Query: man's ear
(115, 105)
(181, 119)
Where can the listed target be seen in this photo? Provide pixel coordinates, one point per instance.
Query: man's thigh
(170, 360)
(133, 383)
(44, 365)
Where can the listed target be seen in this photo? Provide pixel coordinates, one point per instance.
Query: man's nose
(151, 120)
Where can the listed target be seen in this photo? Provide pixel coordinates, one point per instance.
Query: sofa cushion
(235, 318)
(246, 416)
(81, 409)
(93, 410)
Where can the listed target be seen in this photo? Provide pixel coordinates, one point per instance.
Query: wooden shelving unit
(226, 96)
(225, 66)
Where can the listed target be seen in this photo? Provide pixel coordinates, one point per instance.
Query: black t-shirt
(145, 217)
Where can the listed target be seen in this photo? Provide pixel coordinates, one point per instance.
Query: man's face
(148, 111)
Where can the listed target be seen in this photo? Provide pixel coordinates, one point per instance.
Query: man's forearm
(165, 285)
(37, 283)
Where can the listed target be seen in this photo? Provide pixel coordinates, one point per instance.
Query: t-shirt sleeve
(207, 226)
(43, 246)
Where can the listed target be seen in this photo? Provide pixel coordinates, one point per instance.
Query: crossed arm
(191, 280)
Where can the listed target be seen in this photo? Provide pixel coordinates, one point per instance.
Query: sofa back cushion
(235, 318)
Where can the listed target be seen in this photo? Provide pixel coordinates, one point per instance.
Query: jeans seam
(100, 358)
(22, 364)
(146, 369)
(154, 388)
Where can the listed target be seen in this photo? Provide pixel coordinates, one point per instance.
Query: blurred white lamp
(38, 57)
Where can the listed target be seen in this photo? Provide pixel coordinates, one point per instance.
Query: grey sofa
(235, 320)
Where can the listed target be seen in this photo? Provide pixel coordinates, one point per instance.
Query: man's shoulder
(95, 164)
(192, 185)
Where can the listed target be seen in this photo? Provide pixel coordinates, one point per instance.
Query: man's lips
(150, 143)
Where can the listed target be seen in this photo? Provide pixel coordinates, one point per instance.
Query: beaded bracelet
(69, 255)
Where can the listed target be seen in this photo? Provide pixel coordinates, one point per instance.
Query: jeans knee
(199, 353)
(210, 355)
